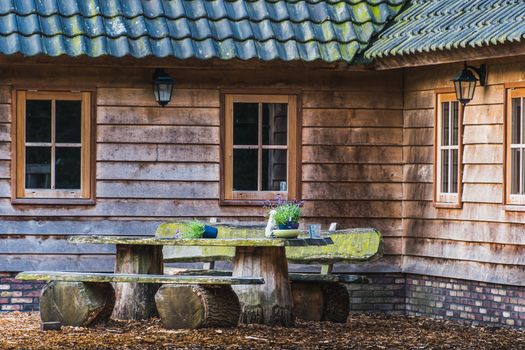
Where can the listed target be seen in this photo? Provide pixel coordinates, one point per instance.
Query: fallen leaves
(22, 330)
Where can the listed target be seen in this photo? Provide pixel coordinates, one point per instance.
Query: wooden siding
(481, 241)
(154, 164)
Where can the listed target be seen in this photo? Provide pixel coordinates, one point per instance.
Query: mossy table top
(224, 242)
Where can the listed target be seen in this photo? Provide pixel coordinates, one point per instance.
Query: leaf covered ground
(22, 331)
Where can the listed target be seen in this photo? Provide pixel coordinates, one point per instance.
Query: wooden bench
(316, 296)
(82, 299)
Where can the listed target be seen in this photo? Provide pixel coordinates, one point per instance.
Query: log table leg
(269, 303)
(136, 301)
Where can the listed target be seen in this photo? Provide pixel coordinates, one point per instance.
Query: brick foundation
(468, 302)
(18, 295)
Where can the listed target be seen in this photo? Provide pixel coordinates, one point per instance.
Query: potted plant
(283, 215)
(196, 229)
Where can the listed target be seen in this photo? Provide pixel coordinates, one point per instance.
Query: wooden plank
(482, 193)
(475, 271)
(351, 191)
(368, 209)
(5, 188)
(144, 97)
(5, 151)
(48, 244)
(52, 226)
(5, 132)
(157, 116)
(483, 114)
(5, 93)
(482, 134)
(352, 172)
(32, 262)
(156, 171)
(158, 134)
(155, 153)
(482, 232)
(418, 173)
(5, 169)
(482, 154)
(419, 118)
(483, 173)
(387, 264)
(353, 99)
(157, 189)
(352, 154)
(352, 136)
(352, 117)
(418, 137)
(418, 154)
(387, 227)
(5, 113)
(472, 251)
(134, 278)
(417, 191)
(419, 99)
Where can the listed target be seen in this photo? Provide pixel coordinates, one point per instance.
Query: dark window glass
(516, 120)
(445, 124)
(38, 121)
(67, 168)
(515, 170)
(275, 123)
(245, 169)
(455, 122)
(245, 123)
(68, 117)
(444, 171)
(273, 169)
(38, 167)
(454, 174)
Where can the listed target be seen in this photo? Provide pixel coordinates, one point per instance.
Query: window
(515, 148)
(260, 147)
(448, 150)
(53, 146)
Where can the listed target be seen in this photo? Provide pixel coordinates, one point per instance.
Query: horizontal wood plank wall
(155, 164)
(481, 241)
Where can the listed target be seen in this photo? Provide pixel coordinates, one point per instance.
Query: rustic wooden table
(269, 303)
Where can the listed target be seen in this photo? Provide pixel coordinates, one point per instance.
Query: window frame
(227, 195)
(446, 200)
(86, 194)
(511, 202)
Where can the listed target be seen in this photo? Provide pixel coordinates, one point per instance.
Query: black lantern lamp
(162, 87)
(465, 82)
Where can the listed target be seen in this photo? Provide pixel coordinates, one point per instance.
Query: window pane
(38, 167)
(444, 171)
(275, 123)
(515, 171)
(455, 174)
(67, 168)
(68, 121)
(455, 122)
(38, 121)
(516, 120)
(444, 123)
(273, 169)
(245, 169)
(245, 123)
(522, 175)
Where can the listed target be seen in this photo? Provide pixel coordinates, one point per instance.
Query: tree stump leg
(269, 303)
(79, 304)
(337, 302)
(136, 301)
(197, 306)
(308, 301)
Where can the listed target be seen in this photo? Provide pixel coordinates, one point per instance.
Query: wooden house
(348, 105)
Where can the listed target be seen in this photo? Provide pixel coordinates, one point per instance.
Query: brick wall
(384, 294)
(465, 301)
(18, 295)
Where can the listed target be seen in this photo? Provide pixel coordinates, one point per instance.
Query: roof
(327, 30)
(435, 25)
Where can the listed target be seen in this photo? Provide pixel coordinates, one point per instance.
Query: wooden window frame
(446, 200)
(511, 202)
(257, 198)
(86, 194)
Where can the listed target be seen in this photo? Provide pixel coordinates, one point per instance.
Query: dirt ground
(22, 331)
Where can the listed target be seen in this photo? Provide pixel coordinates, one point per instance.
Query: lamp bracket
(481, 72)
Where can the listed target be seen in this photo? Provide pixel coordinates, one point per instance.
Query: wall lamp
(465, 82)
(162, 87)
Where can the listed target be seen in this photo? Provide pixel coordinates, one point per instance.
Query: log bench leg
(136, 301)
(79, 304)
(269, 303)
(197, 306)
(321, 301)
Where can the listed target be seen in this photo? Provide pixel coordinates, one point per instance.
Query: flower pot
(289, 226)
(210, 232)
